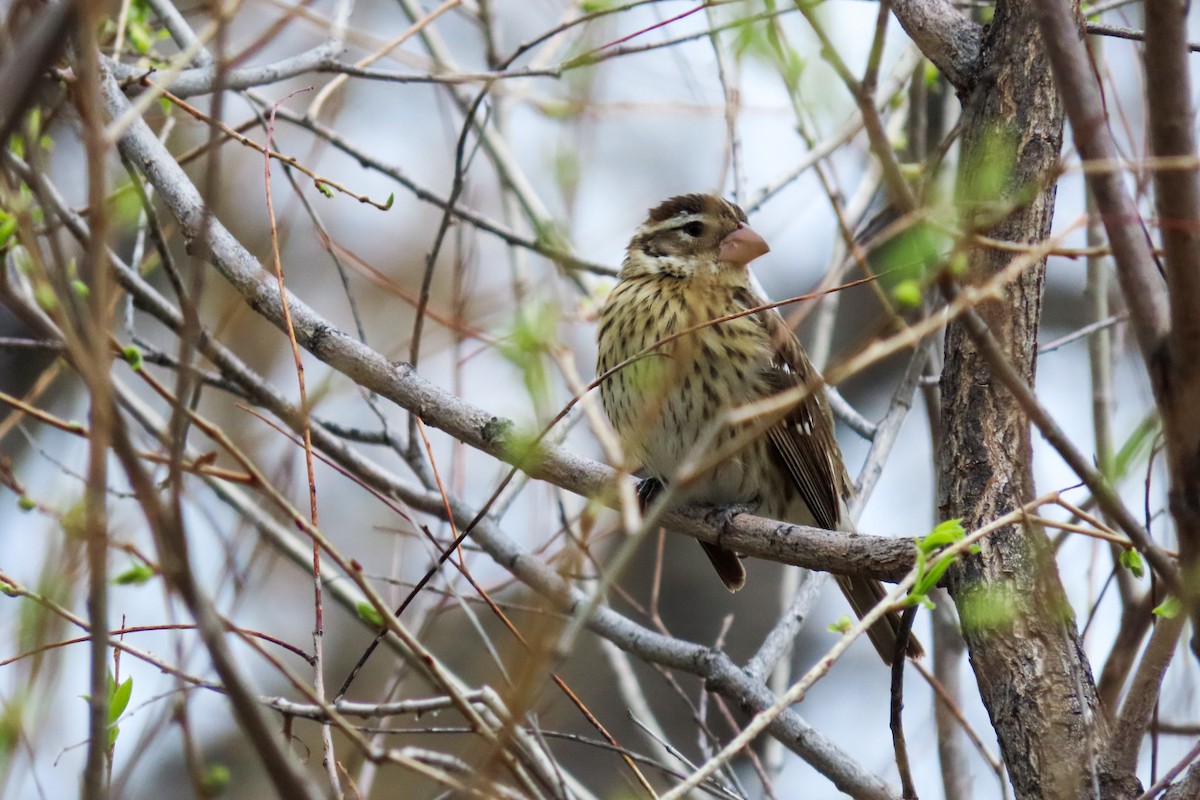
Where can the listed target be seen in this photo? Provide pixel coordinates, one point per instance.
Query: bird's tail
(727, 564)
(864, 594)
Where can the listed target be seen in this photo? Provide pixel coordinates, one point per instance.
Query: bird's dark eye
(694, 229)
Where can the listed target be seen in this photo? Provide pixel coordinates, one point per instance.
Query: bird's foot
(721, 518)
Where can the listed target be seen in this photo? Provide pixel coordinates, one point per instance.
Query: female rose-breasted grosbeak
(686, 265)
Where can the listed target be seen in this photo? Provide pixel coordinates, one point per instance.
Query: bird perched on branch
(671, 404)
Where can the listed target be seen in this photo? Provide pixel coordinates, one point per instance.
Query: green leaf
(8, 226)
(133, 357)
(13, 725)
(558, 109)
(959, 263)
(126, 205)
(1132, 560)
(930, 579)
(26, 503)
(843, 624)
(1134, 449)
(929, 575)
(80, 289)
(1169, 608)
(117, 696)
(216, 780)
(566, 168)
(764, 43)
(136, 575)
(932, 73)
(922, 559)
(533, 333)
(140, 38)
(946, 533)
(908, 258)
(911, 171)
(118, 699)
(367, 613)
(45, 297)
(907, 293)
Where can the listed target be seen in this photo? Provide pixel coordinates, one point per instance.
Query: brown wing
(805, 447)
(803, 441)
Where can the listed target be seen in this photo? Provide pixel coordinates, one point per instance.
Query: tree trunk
(1018, 625)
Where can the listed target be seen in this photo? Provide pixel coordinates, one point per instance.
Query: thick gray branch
(946, 36)
(205, 80)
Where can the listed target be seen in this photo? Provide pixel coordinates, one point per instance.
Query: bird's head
(693, 236)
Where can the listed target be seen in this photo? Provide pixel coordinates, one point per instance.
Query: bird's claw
(721, 517)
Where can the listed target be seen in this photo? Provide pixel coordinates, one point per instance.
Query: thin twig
(895, 716)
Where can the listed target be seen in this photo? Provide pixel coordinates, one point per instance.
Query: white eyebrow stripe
(677, 221)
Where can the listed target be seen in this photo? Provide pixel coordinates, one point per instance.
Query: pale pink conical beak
(742, 246)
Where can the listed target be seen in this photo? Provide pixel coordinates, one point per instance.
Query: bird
(676, 378)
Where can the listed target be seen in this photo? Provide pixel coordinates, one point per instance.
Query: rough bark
(1019, 628)
(946, 36)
